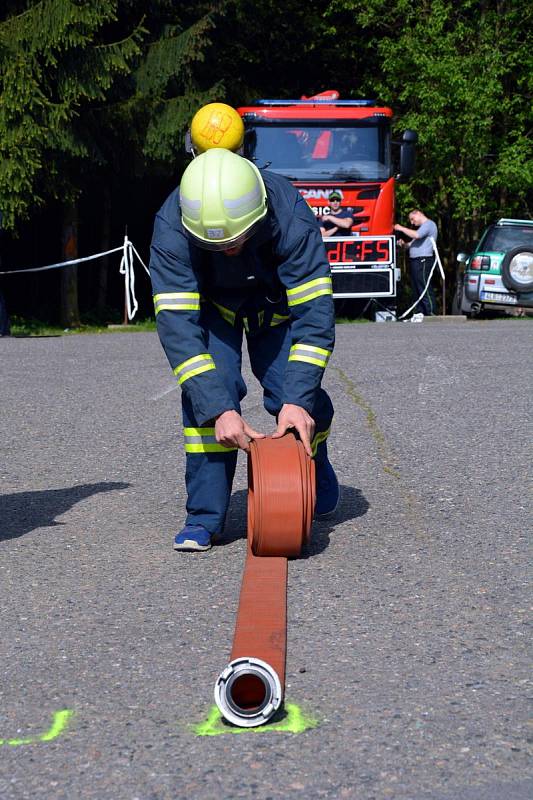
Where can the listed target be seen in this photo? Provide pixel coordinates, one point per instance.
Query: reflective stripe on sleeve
(177, 301)
(308, 291)
(312, 355)
(194, 366)
(202, 440)
(319, 437)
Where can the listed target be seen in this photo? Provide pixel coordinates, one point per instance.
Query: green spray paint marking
(371, 421)
(295, 722)
(59, 725)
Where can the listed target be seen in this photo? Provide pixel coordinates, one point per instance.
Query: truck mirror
(250, 142)
(188, 143)
(410, 136)
(407, 154)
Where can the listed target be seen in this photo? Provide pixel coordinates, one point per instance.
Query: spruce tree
(57, 57)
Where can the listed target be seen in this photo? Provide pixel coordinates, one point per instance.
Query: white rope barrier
(63, 263)
(126, 268)
(436, 262)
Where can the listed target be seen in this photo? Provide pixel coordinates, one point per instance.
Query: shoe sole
(329, 513)
(190, 546)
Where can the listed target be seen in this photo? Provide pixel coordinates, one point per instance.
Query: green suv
(499, 273)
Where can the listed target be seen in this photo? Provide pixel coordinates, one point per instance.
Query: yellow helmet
(223, 199)
(217, 125)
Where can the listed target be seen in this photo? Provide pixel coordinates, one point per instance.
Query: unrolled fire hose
(281, 503)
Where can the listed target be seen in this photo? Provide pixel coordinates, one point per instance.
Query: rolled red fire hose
(281, 503)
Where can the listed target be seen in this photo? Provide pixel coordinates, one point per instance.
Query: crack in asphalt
(371, 421)
(413, 505)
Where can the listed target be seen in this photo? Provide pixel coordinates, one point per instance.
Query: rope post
(126, 268)
(125, 321)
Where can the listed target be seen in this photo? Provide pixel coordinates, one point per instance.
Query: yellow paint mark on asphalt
(58, 726)
(295, 721)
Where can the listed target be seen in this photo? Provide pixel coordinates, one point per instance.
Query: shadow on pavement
(352, 504)
(23, 512)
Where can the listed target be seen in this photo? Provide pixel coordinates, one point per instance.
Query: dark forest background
(95, 98)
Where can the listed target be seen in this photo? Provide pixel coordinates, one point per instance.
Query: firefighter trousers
(210, 467)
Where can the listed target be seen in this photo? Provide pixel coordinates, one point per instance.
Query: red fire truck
(322, 143)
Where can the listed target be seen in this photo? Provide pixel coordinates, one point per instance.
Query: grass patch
(350, 321)
(34, 327)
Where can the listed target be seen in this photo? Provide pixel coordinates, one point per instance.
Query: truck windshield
(506, 237)
(314, 152)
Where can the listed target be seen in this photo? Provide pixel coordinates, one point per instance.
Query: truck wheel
(517, 269)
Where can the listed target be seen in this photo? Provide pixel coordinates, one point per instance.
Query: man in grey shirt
(421, 257)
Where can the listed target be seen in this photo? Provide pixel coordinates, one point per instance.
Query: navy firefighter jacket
(282, 274)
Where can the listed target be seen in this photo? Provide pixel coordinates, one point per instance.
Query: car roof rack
(504, 221)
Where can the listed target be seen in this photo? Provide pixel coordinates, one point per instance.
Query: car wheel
(475, 311)
(517, 269)
(466, 304)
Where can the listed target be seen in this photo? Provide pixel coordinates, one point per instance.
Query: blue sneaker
(327, 489)
(192, 538)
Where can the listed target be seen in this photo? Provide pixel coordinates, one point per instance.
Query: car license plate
(498, 297)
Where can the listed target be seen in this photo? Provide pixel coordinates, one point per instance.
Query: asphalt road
(408, 643)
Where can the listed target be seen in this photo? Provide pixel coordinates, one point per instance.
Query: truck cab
(321, 144)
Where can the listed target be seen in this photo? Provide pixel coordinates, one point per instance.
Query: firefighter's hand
(232, 431)
(296, 417)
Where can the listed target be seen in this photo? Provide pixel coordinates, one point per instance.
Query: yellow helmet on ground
(223, 199)
(217, 125)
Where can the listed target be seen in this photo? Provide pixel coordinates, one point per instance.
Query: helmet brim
(228, 244)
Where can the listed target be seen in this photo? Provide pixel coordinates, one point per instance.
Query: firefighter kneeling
(237, 250)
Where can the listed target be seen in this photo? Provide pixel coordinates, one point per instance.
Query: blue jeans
(420, 269)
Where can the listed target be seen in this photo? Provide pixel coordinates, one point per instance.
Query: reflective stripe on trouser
(209, 473)
(318, 439)
(203, 440)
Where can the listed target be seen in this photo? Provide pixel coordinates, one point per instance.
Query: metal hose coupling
(248, 692)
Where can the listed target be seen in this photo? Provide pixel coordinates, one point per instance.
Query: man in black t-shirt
(339, 221)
